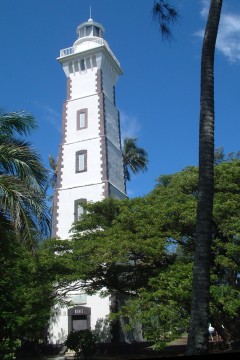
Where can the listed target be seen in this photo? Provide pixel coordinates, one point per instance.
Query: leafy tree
(144, 248)
(163, 306)
(219, 155)
(24, 221)
(100, 231)
(168, 295)
(180, 210)
(22, 179)
(134, 158)
(116, 272)
(26, 295)
(8, 349)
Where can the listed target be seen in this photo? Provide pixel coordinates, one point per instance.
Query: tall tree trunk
(198, 328)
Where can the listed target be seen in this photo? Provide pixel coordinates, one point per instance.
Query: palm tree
(52, 183)
(198, 328)
(54, 170)
(22, 180)
(134, 158)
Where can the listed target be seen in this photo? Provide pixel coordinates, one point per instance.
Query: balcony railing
(99, 41)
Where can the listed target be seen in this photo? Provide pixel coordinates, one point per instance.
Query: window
(81, 161)
(95, 31)
(88, 63)
(70, 68)
(88, 30)
(82, 65)
(82, 119)
(81, 33)
(94, 61)
(114, 97)
(78, 299)
(78, 209)
(75, 66)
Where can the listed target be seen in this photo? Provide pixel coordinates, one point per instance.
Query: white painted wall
(66, 204)
(87, 185)
(92, 131)
(83, 83)
(93, 174)
(58, 329)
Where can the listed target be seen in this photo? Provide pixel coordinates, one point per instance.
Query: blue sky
(158, 94)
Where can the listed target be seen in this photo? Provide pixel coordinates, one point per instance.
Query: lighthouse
(90, 162)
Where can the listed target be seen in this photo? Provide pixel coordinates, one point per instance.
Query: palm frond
(134, 157)
(25, 208)
(54, 170)
(18, 158)
(16, 122)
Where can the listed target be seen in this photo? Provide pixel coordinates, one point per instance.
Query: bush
(8, 349)
(83, 342)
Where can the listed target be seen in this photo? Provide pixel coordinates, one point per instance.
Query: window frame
(79, 112)
(76, 205)
(78, 154)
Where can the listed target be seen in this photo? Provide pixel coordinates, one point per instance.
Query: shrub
(8, 349)
(83, 342)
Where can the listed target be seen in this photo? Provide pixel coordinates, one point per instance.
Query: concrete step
(69, 354)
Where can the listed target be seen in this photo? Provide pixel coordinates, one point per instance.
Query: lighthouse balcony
(84, 45)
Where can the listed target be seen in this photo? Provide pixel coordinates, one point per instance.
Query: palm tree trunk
(198, 328)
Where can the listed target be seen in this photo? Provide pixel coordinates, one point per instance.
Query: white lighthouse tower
(90, 165)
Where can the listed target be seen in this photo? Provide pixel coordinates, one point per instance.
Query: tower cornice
(70, 54)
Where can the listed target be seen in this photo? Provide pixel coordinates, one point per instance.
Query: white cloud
(205, 8)
(228, 40)
(53, 117)
(50, 115)
(130, 126)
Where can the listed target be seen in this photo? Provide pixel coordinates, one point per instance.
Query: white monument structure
(90, 165)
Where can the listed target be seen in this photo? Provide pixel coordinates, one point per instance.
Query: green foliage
(144, 248)
(8, 349)
(220, 157)
(22, 180)
(118, 243)
(135, 158)
(163, 307)
(26, 294)
(83, 342)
